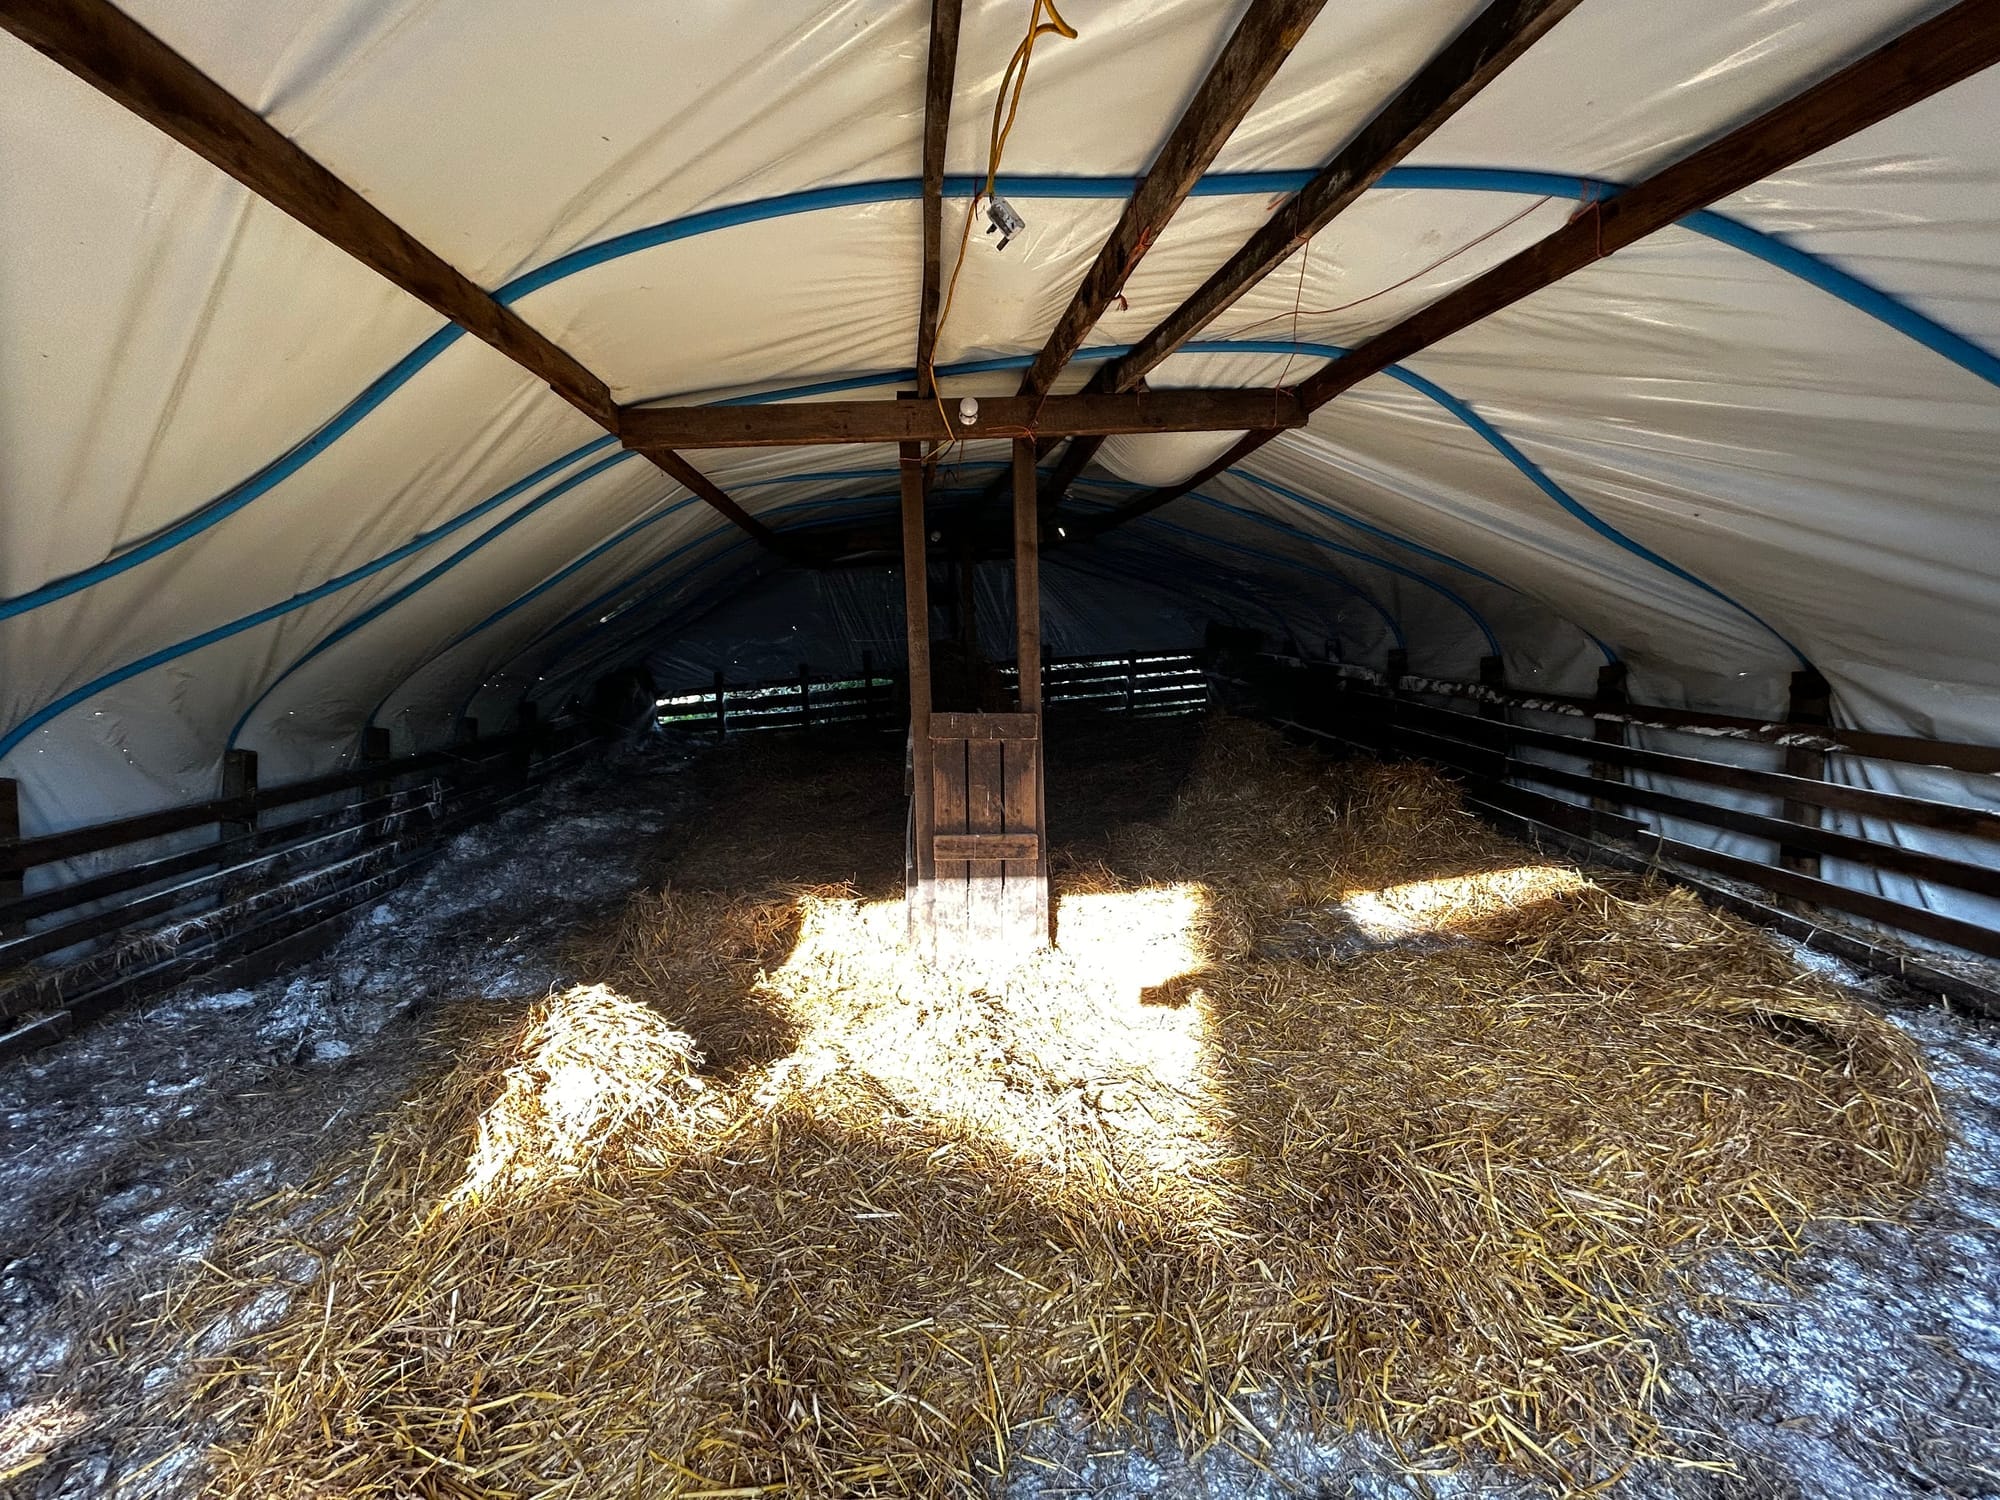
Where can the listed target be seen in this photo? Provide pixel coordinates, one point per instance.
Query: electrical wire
(1321, 312)
(1014, 76)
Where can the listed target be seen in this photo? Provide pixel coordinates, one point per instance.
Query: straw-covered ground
(1340, 1146)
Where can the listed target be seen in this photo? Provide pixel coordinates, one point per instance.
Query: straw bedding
(1332, 1108)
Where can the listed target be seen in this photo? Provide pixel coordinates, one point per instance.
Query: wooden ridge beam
(118, 57)
(797, 423)
(1263, 39)
(937, 127)
(1924, 60)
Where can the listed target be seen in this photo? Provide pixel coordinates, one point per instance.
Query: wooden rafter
(937, 127)
(112, 53)
(1263, 39)
(796, 423)
(1926, 59)
(1490, 42)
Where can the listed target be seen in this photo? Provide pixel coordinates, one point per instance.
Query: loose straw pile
(1333, 1108)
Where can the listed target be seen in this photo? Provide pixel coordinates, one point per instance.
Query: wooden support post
(1611, 693)
(921, 862)
(374, 752)
(1029, 879)
(1131, 681)
(1493, 674)
(1027, 579)
(239, 784)
(13, 883)
(805, 696)
(721, 708)
(1811, 703)
(1396, 667)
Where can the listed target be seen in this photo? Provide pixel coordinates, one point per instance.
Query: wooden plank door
(990, 882)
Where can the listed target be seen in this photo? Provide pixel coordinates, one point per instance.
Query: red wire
(1321, 312)
(1298, 296)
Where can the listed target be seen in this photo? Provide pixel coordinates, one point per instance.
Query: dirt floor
(1869, 1367)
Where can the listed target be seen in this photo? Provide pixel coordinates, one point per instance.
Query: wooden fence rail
(255, 891)
(1511, 769)
(1145, 683)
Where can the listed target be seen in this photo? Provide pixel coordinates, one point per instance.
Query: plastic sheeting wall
(251, 495)
(826, 621)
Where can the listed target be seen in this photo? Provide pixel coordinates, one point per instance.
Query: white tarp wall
(250, 494)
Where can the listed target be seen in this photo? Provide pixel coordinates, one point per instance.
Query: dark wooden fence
(1513, 750)
(246, 880)
(256, 876)
(1146, 683)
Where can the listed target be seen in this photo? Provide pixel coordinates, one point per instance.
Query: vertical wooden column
(239, 783)
(1027, 578)
(464, 736)
(1811, 703)
(374, 752)
(13, 880)
(1611, 693)
(1028, 880)
(1493, 674)
(922, 858)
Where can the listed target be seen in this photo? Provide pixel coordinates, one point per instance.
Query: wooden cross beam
(112, 53)
(1926, 59)
(1263, 39)
(1251, 57)
(1480, 53)
(794, 423)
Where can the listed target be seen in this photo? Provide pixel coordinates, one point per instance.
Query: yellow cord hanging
(1043, 20)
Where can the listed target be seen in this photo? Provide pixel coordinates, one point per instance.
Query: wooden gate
(990, 883)
(977, 872)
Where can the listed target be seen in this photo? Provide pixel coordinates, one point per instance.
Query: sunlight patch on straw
(1453, 902)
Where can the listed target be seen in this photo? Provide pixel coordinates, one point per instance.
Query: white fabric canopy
(252, 495)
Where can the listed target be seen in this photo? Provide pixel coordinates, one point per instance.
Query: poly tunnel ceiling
(255, 494)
